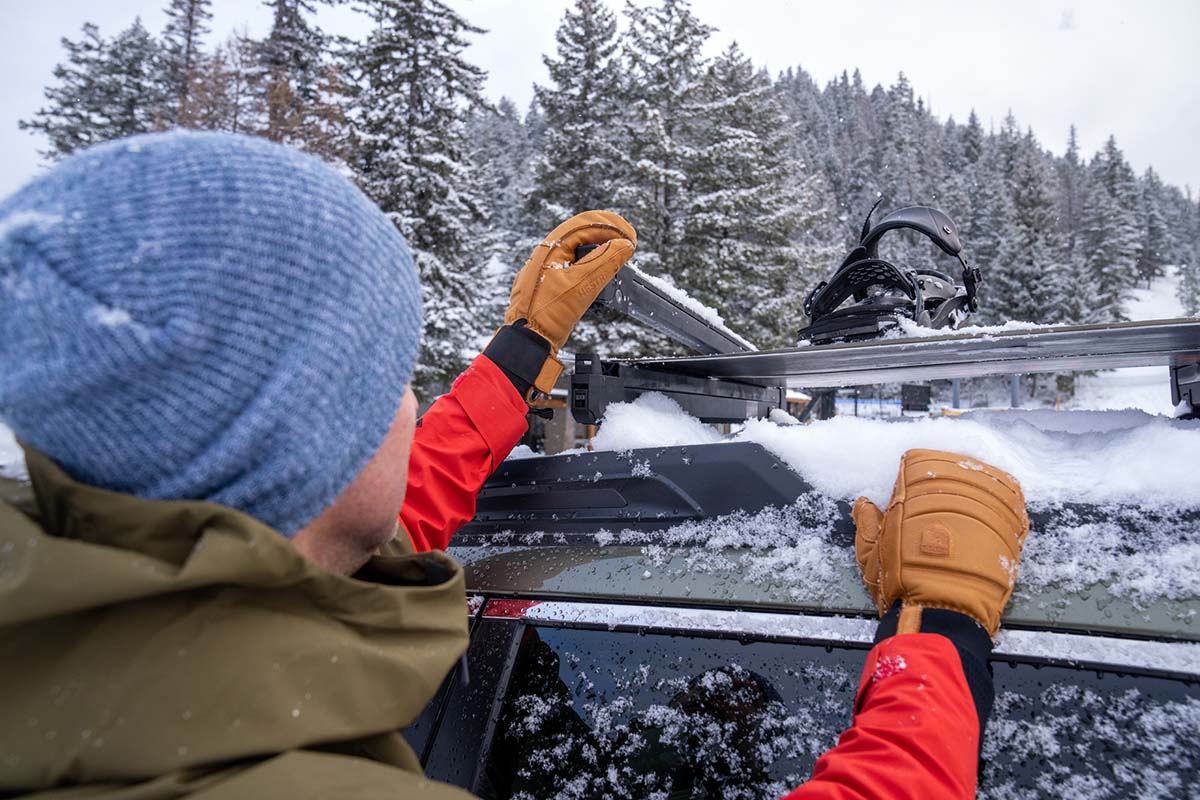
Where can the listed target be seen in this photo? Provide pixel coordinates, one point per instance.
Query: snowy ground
(1145, 388)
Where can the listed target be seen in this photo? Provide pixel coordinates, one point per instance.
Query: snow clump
(12, 459)
(1058, 456)
(653, 420)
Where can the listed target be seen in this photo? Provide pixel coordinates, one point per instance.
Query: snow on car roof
(1135, 473)
(1058, 456)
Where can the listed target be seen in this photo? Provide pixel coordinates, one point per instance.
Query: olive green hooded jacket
(153, 650)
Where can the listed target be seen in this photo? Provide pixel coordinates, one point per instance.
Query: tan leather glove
(951, 538)
(552, 291)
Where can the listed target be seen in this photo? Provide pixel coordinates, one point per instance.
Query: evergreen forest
(746, 188)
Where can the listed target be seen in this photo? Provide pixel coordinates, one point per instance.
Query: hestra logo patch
(591, 287)
(935, 540)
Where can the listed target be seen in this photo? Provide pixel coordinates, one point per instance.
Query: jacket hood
(143, 637)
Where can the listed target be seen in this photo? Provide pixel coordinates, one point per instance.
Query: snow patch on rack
(910, 330)
(12, 459)
(781, 417)
(1058, 456)
(522, 451)
(682, 298)
(672, 618)
(1182, 657)
(652, 420)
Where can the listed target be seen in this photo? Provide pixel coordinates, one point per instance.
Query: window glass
(621, 715)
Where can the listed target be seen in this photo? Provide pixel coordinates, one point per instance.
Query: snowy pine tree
(1110, 230)
(972, 139)
(106, 90)
(76, 104)
(575, 126)
(1156, 246)
(223, 96)
(901, 168)
(1078, 296)
(663, 73)
(971, 143)
(1021, 287)
(182, 57)
(952, 180)
(411, 156)
(1008, 147)
(1071, 181)
(501, 155)
(750, 204)
(811, 143)
(535, 126)
(993, 231)
(856, 149)
(1188, 259)
(290, 71)
(1109, 247)
(578, 161)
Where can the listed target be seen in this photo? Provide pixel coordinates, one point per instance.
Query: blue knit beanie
(204, 316)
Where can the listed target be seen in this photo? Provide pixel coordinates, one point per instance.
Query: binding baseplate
(884, 293)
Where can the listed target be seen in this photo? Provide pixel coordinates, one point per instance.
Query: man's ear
(364, 516)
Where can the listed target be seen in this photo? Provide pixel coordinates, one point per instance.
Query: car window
(592, 713)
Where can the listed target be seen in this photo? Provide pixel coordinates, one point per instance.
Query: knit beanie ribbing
(204, 316)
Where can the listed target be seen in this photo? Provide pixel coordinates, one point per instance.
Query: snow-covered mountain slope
(1144, 388)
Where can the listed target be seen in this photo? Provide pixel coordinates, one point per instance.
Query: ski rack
(1172, 343)
(597, 383)
(731, 381)
(637, 296)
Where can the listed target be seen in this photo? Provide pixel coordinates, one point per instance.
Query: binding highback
(934, 299)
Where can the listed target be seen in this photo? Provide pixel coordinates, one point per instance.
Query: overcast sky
(1127, 68)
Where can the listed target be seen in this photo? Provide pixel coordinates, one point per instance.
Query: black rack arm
(596, 384)
(636, 295)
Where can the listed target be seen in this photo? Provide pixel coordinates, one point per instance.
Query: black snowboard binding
(884, 293)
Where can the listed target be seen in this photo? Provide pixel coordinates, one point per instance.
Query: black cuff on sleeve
(519, 353)
(972, 642)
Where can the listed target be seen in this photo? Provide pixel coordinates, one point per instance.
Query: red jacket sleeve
(915, 732)
(459, 442)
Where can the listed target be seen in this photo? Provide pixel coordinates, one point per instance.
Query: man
(205, 346)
